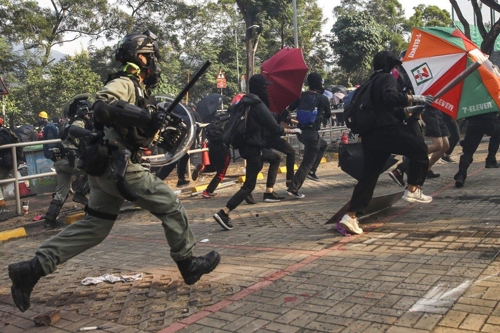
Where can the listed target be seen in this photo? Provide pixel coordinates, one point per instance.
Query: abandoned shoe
(194, 267)
(24, 276)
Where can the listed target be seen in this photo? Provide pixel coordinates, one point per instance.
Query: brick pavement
(417, 268)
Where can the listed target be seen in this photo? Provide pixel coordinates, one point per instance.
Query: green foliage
(357, 37)
(429, 16)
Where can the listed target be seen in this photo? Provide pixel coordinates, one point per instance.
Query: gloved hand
(293, 131)
(157, 120)
(95, 137)
(413, 109)
(423, 99)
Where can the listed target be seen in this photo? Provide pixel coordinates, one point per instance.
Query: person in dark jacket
(260, 122)
(477, 127)
(388, 137)
(314, 145)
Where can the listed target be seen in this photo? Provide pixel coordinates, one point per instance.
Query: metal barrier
(16, 178)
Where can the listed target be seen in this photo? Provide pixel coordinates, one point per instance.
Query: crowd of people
(109, 150)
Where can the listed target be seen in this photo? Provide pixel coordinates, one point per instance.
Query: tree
(428, 16)
(357, 37)
(489, 36)
(41, 28)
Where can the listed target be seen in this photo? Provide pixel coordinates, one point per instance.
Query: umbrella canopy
(208, 106)
(435, 56)
(339, 88)
(337, 97)
(285, 71)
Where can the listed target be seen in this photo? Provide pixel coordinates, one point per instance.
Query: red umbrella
(285, 71)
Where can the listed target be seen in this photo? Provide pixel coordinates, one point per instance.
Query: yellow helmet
(43, 115)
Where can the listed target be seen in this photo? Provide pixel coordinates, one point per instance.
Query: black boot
(24, 276)
(459, 179)
(80, 198)
(194, 267)
(52, 213)
(491, 163)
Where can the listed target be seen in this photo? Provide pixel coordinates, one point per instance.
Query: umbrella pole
(468, 71)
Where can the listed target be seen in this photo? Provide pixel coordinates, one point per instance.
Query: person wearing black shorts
(437, 131)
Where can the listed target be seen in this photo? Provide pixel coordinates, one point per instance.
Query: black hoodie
(260, 121)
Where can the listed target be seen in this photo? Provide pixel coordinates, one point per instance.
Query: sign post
(3, 92)
(221, 82)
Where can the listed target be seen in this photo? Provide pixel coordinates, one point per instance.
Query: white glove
(293, 130)
(413, 109)
(423, 99)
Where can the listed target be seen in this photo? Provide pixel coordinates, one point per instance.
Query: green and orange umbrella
(436, 56)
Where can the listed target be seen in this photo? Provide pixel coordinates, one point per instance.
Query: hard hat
(43, 115)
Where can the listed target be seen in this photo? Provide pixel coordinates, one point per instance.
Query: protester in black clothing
(278, 143)
(220, 157)
(314, 146)
(477, 127)
(181, 166)
(388, 137)
(454, 138)
(259, 122)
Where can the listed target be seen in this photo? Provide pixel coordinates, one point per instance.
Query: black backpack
(235, 129)
(359, 113)
(50, 131)
(6, 158)
(307, 110)
(214, 130)
(26, 133)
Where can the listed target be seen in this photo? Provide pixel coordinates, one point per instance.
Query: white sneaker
(417, 196)
(351, 225)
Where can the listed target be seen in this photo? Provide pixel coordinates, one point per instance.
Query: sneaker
(491, 164)
(208, 195)
(182, 182)
(250, 200)
(193, 268)
(312, 175)
(197, 171)
(417, 196)
(295, 194)
(446, 158)
(224, 220)
(273, 197)
(397, 176)
(459, 180)
(431, 174)
(351, 225)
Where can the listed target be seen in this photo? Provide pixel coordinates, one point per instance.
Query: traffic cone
(205, 159)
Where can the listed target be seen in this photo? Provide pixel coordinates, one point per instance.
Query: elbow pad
(79, 132)
(121, 113)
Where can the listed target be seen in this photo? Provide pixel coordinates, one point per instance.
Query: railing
(16, 178)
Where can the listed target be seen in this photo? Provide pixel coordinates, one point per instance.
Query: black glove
(157, 120)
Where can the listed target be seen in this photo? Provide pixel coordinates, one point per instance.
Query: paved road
(417, 268)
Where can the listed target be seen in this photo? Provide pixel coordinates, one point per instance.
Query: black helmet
(80, 108)
(135, 43)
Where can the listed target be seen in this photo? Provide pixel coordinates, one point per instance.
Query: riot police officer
(120, 111)
(66, 155)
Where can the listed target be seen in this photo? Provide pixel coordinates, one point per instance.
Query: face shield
(152, 71)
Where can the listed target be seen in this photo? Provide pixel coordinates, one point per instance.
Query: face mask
(153, 73)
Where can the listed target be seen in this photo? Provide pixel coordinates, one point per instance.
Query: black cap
(315, 82)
